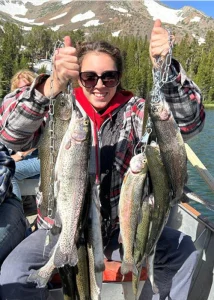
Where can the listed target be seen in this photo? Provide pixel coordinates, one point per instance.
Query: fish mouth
(78, 138)
(165, 115)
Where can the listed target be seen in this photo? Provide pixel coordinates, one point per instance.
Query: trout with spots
(71, 173)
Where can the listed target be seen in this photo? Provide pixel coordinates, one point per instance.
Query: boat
(183, 217)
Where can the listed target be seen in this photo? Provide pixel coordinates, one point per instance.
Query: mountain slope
(119, 17)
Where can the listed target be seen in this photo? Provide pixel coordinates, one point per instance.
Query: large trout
(160, 212)
(171, 144)
(71, 183)
(61, 119)
(94, 229)
(141, 239)
(71, 174)
(161, 191)
(129, 208)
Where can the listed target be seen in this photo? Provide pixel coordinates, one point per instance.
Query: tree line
(20, 49)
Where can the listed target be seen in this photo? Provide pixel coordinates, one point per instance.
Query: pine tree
(9, 53)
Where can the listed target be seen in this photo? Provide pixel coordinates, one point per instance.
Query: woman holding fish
(116, 118)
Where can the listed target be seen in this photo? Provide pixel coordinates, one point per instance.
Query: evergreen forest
(20, 49)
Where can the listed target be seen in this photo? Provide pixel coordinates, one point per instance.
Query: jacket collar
(119, 98)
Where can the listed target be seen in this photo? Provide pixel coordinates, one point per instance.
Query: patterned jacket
(7, 170)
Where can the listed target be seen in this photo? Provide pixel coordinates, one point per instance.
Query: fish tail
(155, 288)
(128, 267)
(60, 258)
(73, 257)
(36, 277)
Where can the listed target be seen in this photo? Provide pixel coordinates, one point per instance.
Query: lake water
(203, 146)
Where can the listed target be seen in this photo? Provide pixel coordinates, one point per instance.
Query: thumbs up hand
(66, 66)
(159, 42)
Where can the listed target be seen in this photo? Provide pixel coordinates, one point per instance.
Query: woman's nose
(99, 83)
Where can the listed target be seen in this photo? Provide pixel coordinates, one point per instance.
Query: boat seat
(111, 274)
(29, 186)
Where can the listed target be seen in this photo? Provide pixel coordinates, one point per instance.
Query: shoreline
(208, 105)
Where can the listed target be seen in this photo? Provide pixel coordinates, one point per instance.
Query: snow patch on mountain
(166, 15)
(59, 16)
(195, 19)
(81, 17)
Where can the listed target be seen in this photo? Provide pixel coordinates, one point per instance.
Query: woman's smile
(100, 95)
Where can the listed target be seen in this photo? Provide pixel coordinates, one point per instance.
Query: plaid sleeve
(22, 117)
(7, 170)
(185, 100)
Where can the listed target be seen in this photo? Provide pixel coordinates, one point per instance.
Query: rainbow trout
(95, 278)
(82, 274)
(171, 144)
(68, 277)
(162, 198)
(62, 116)
(141, 239)
(70, 187)
(75, 280)
(161, 191)
(94, 245)
(94, 226)
(129, 207)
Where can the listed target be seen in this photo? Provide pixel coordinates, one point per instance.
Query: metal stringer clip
(58, 44)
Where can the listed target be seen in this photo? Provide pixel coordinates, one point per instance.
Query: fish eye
(62, 102)
(154, 109)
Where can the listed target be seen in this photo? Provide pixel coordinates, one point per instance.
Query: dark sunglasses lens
(88, 79)
(110, 78)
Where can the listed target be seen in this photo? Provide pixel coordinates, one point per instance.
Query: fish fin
(38, 279)
(155, 288)
(99, 280)
(61, 259)
(55, 230)
(73, 258)
(150, 268)
(120, 240)
(68, 144)
(128, 267)
(47, 240)
(56, 185)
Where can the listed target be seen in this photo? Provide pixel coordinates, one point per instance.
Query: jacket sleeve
(22, 117)
(7, 170)
(185, 100)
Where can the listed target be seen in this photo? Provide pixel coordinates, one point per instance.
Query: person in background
(27, 162)
(22, 78)
(12, 219)
(116, 117)
(13, 223)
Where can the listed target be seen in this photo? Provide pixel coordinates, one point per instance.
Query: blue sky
(205, 6)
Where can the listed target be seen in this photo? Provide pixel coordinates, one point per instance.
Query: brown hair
(24, 73)
(101, 46)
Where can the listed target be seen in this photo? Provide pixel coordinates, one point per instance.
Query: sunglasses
(90, 79)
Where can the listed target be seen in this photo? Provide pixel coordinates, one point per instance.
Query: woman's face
(99, 96)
